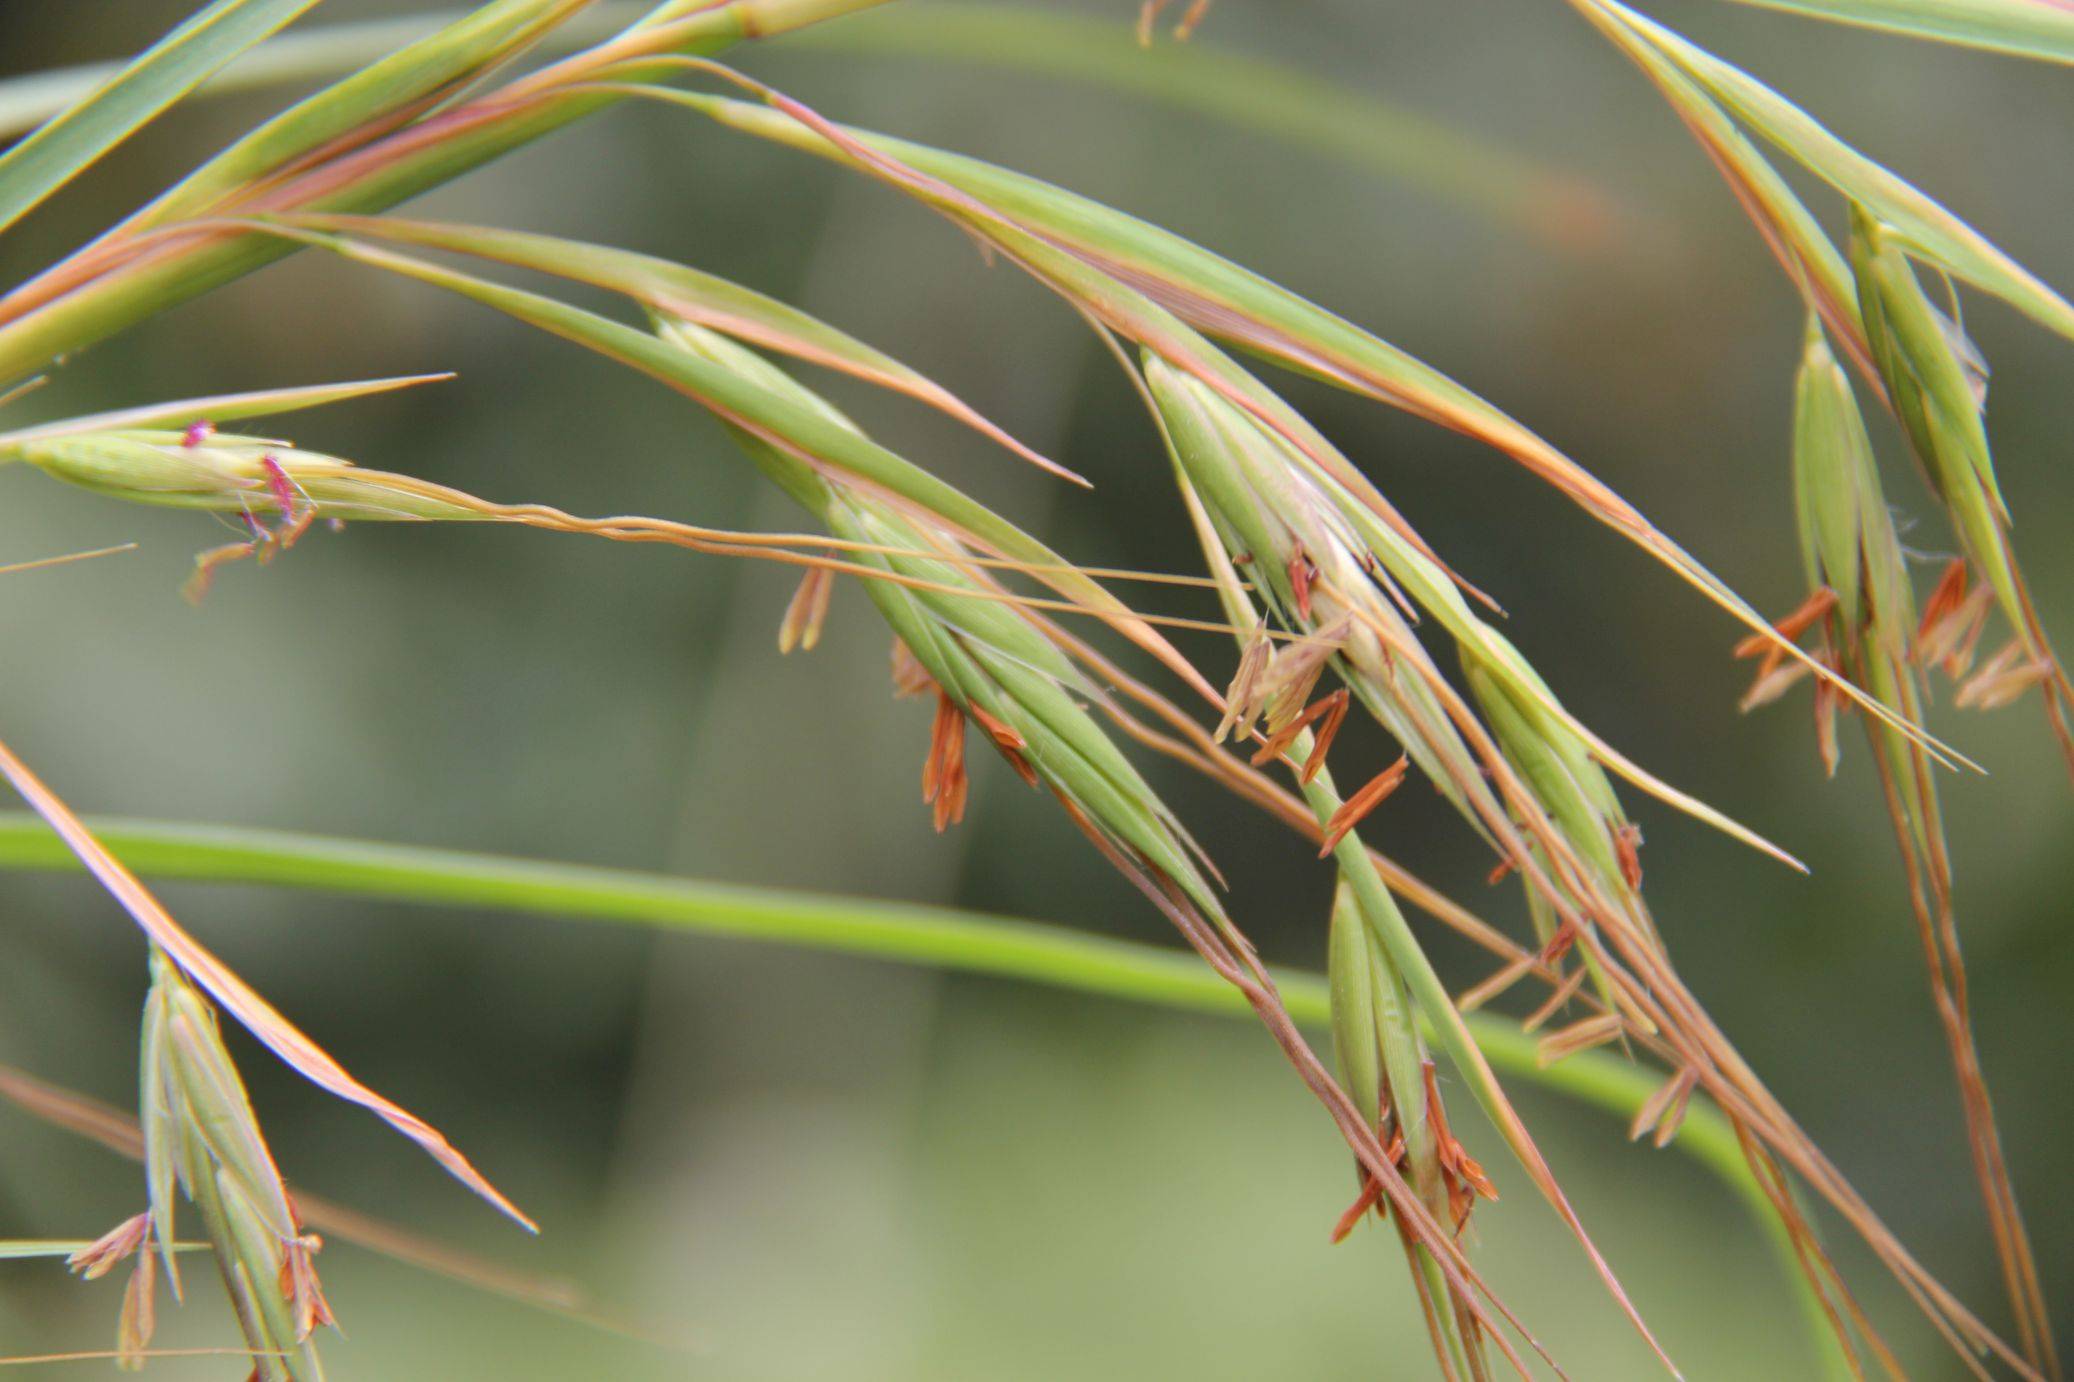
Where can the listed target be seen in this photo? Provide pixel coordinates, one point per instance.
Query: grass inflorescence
(1335, 603)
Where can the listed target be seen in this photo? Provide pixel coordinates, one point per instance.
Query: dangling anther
(944, 783)
(1327, 712)
(1627, 847)
(910, 677)
(1354, 808)
(1302, 571)
(807, 610)
(1789, 628)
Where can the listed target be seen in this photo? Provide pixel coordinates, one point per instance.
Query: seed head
(1557, 767)
(1937, 384)
(1860, 609)
(200, 1132)
(988, 662)
(1383, 1062)
(274, 491)
(1932, 372)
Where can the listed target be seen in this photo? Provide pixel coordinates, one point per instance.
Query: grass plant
(1330, 599)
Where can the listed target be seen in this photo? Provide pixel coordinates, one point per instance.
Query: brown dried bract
(139, 1318)
(1945, 599)
(1327, 732)
(1772, 685)
(1665, 1109)
(1559, 944)
(1674, 1117)
(1460, 1172)
(1243, 700)
(1578, 1036)
(1285, 686)
(1827, 699)
(1007, 740)
(1371, 1193)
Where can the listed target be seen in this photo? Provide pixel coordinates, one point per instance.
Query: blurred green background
(800, 1166)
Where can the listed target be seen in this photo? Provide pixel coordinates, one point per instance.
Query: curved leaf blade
(764, 413)
(1245, 91)
(259, 1017)
(1931, 232)
(1238, 90)
(892, 931)
(677, 290)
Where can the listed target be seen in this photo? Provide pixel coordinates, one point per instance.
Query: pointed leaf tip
(259, 1017)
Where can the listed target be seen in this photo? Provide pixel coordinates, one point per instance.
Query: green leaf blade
(671, 290)
(1927, 229)
(72, 140)
(2018, 28)
(909, 933)
(1246, 91)
(219, 408)
(398, 83)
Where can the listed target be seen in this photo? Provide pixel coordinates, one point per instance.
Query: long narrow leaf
(1240, 90)
(1928, 228)
(397, 83)
(2042, 29)
(761, 411)
(159, 76)
(279, 1035)
(70, 308)
(908, 933)
(677, 290)
(320, 52)
(223, 407)
(1245, 91)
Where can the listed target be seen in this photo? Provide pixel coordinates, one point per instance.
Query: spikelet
(200, 1134)
(1936, 383)
(1865, 622)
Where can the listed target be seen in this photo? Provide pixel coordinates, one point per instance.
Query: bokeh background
(800, 1166)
